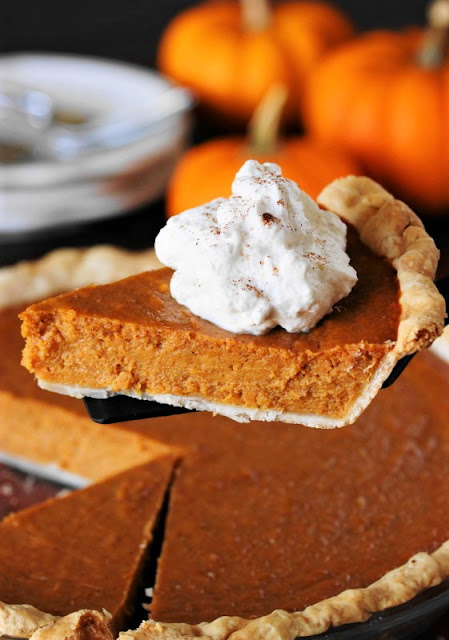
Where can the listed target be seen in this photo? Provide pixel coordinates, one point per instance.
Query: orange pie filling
(257, 522)
(132, 338)
(260, 518)
(284, 518)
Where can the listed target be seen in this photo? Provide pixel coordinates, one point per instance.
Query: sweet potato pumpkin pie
(80, 551)
(311, 529)
(131, 337)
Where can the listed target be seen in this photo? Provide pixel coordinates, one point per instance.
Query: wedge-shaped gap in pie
(85, 550)
(295, 517)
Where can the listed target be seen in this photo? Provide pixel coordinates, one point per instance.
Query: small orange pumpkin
(206, 171)
(385, 98)
(229, 53)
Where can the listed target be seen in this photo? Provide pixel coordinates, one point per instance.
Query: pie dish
(301, 518)
(130, 337)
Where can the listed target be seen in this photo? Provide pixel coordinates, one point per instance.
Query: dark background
(130, 29)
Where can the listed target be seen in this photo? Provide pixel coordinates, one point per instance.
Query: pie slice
(130, 337)
(84, 550)
(375, 496)
(26, 409)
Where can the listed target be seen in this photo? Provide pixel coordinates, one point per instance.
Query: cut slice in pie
(82, 448)
(347, 521)
(84, 550)
(351, 506)
(130, 337)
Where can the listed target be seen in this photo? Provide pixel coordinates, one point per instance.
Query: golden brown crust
(355, 605)
(422, 571)
(391, 229)
(80, 625)
(25, 621)
(21, 620)
(66, 269)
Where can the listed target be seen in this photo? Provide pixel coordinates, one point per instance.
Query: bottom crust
(240, 413)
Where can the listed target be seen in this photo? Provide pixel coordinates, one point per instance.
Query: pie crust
(354, 605)
(65, 269)
(413, 253)
(398, 586)
(25, 621)
(356, 370)
(391, 229)
(22, 620)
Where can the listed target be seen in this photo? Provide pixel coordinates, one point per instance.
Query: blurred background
(131, 30)
(128, 32)
(90, 150)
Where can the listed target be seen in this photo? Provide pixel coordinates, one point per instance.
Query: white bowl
(41, 194)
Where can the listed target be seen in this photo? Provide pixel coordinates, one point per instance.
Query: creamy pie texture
(324, 378)
(414, 420)
(399, 406)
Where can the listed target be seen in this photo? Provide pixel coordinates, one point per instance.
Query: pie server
(122, 408)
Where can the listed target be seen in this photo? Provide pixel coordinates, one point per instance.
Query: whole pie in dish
(130, 337)
(311, 529)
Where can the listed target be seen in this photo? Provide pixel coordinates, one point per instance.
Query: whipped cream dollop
(264, 257)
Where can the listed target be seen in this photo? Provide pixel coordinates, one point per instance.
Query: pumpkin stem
(434, 48)
(256, 14)
(263, 128)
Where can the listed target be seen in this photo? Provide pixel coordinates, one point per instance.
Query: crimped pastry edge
(392, 230)
(365, 204)
(25, 621)
(421, 571)
(70, 268)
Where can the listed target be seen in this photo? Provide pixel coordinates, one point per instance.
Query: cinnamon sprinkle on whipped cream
(267, 256)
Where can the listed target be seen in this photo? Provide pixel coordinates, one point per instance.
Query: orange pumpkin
(229, 53)
(385, 98)
(206, 171)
